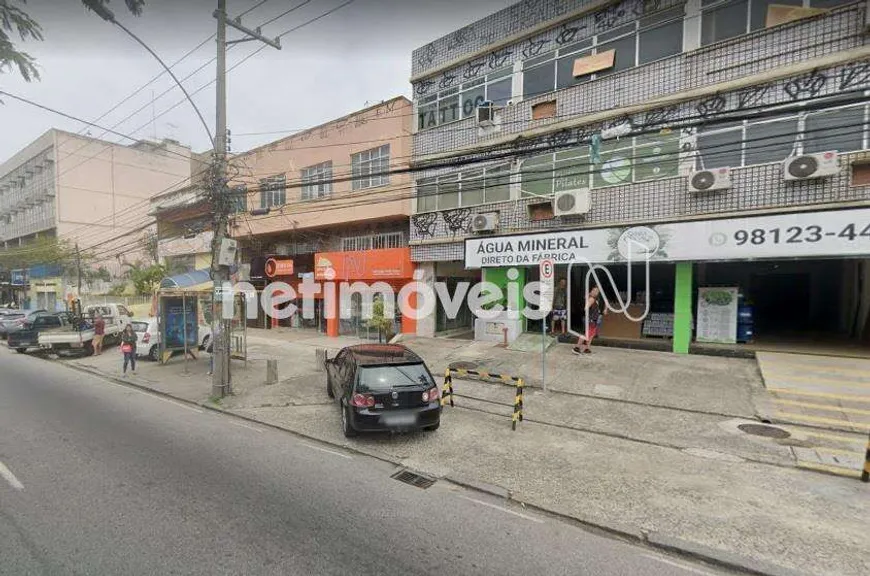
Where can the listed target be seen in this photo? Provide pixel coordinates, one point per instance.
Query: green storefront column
(499, 277)
(683, 308)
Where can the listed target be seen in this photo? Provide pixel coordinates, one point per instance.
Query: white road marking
(333, 452)
(157, 397)
(482, 503)
(679, 565)
(243, 425)
(10, 477)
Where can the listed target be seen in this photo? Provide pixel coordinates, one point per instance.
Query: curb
(624, 532)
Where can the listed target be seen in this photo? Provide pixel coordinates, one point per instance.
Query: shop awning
(193, 281)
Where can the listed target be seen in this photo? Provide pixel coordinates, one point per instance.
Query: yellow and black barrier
(865, 474)
(516, 381)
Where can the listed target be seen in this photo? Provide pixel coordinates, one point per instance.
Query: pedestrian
(593, 322)
(128, 348)
(560, 312)
(99, 332)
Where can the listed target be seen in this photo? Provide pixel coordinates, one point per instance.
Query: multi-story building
(727, 139)
(332, 202)
(91, 193)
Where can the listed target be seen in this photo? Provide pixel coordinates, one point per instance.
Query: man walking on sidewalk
(99, 332)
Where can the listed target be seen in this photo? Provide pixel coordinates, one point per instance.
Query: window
(316, 181)
(370, 168)
(841, 130)
(770, 141)
(467, 188)
(721, 148)
(621, 161)
(648, 39)
(273, 191)
(122, 310)
(461, 101)
(724, 19)
(377, 241)
(238, 199)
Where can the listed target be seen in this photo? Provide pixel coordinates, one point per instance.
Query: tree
(44, 251)
(379, 320)
(146, 279)
(14, 21)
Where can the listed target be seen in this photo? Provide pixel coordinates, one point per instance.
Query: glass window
(448, 110)
(539, 80)
(724, 22)
(616, 164)
(841, 130)
(497, 183)
(536, 176)
(625, 54)
(384, 378)
(427, 116)
(499, 92)
(239, 200)
(370, 168)
(273, 191)
(770, 141)
(427, 190)
(316, 181)
(829, 3)
(660, 42)
(571, 169)
(721, 150)
(471, 99)
(472, 188)
(448, 192)
(565, 70)
(656, 156)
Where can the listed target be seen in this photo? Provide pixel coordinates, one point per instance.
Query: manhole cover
(462, 365)
(764, 430)
(412, 478)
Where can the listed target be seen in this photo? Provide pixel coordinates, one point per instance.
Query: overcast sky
(359, 54)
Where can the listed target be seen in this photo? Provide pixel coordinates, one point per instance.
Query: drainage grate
(763, 430)
(413, 478)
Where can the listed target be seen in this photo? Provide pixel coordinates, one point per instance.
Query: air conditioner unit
(708, 180)
(484, 222)
(571, 202)
(227, 255)
(808, 166)
(485, 114)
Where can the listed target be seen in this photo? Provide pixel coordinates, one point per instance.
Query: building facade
(728, 138)
(88, 192)
(331, 202)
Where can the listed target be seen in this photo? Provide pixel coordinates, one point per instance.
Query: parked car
(382, 387)
(16, 320)
(148, 337)
(80, 335)
(28, 336)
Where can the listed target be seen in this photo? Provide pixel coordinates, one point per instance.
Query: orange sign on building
(383, 264)
(278, 267)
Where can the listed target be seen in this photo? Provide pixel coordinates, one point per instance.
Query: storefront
(717, 281)
(389, 265)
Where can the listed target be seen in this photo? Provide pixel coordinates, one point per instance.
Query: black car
(383, 387)
(14, 321)
(28, 335)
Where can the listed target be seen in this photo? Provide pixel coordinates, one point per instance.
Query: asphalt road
(99, 478)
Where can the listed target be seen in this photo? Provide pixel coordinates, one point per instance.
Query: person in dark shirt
(99, 332)
(128, 347)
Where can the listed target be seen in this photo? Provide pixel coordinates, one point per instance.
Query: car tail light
(362, 400)
(431, 395)
(146, 338)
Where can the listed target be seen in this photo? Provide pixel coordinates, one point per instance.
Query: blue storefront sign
(18, 277)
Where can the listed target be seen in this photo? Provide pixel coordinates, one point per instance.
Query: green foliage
(382, 323)
(117, 290)
(42, 251)
(146, 279)
(14, 21)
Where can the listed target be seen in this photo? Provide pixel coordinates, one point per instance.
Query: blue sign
(18, 277)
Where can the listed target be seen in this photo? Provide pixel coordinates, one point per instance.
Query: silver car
(15, 320)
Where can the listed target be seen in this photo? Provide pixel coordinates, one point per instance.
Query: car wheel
(21, 350)
(435, 427)
(205, 343)
(348, 430)
(329, 391)
(154, 353)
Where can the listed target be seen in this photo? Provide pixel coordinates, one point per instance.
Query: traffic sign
(548, 269)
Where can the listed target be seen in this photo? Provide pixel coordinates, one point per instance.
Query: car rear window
(140, 326)
(385, 378)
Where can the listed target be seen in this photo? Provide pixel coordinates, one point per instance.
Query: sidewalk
(656, 455)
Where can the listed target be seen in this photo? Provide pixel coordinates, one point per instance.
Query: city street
(99, 478)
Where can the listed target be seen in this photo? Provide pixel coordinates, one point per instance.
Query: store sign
(717, 315)
(380, 264)
(278, 267)
(807, 234)
(18, 277)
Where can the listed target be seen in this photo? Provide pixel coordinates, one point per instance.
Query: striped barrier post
(865, 474)
(447, 389)
(518, 405)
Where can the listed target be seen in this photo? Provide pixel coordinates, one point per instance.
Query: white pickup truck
(81, 337)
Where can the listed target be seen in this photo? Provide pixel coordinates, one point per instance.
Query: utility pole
(79, 270)
(220, 385)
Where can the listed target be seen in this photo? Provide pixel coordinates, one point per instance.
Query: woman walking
(128, 348)
(593, 318)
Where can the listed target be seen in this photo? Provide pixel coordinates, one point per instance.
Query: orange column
(331, 309)
(409, 324)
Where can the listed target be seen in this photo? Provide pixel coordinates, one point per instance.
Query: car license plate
(405, 419)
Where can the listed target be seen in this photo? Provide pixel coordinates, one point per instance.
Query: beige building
(88, 192)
